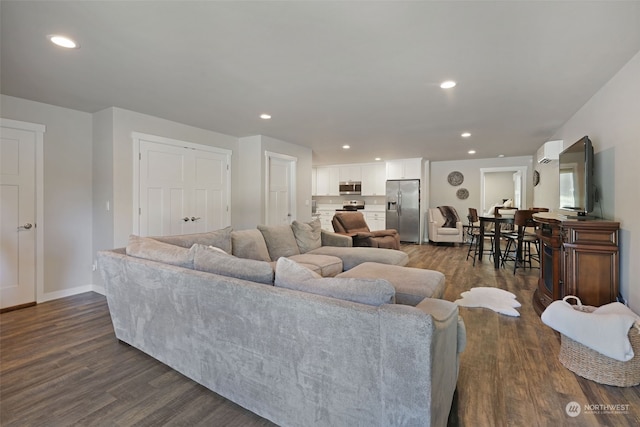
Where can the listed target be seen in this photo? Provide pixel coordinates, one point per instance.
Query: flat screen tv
(577, 191)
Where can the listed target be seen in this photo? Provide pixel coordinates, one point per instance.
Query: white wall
(497, 187)
(443, 193)
(67, 192)
(611, 120)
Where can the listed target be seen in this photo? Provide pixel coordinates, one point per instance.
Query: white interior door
(180, 187)
(162, 208)
(17, 217)
(280, 198)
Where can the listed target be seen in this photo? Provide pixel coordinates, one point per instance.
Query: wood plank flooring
(60, 365)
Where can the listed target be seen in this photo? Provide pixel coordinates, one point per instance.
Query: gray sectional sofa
(302, 350)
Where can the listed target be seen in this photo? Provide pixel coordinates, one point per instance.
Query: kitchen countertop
(367, 208)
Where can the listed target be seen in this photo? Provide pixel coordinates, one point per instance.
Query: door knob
(195, 218)
(185, 219)
(27, 226)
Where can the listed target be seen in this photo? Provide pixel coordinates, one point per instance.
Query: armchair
(354, 225)
(439, 233)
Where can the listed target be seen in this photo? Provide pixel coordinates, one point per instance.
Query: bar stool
(474, 235)
(519, 242)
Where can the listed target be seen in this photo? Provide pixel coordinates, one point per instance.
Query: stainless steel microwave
(350, 188)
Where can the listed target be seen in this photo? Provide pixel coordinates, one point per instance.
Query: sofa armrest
(334, 239)
(384, 233)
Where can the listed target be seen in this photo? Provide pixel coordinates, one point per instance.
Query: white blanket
(605, 330)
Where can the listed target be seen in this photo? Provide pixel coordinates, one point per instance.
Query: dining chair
(520, 242)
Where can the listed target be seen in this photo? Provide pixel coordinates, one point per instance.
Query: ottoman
(412, 284)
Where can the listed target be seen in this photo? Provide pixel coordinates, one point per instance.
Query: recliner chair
(354, 225)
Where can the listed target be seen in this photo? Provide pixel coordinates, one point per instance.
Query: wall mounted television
(577, 190)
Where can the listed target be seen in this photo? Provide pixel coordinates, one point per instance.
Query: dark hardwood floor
(61, 365)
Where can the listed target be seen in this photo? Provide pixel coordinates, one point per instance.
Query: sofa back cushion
(211, 260)
(218, 238)
(280, 240)
(154, 250)
(307, 234)
(249, 244)
(291, 275)
(352, 222)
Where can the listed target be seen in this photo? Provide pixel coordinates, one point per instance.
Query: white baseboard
(49, 296)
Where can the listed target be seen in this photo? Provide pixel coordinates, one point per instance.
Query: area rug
(496, 299)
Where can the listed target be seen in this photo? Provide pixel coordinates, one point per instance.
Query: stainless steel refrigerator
(403, 208)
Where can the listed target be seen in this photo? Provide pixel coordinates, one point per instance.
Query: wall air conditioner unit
(550, 150)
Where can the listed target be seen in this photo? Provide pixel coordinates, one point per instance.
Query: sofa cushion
(412, 284)
(307, 234)
(249, 244)
(211, 260)
(325, 265)
(280, 240)
(218, 238)
(291, 275)
(154, 250)
(354, 256)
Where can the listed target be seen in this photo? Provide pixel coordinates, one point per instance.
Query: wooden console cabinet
(577, 257)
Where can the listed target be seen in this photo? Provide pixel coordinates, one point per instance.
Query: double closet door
(183, 188)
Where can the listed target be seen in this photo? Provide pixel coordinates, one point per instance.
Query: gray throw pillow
(291, 275)
(308, 235)
(153, 250)
(249, 244)
(218, 238)
(212, 260)
(280, 240)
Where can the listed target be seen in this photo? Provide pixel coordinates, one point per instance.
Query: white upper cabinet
(404, 169)
(327, 181)
(374, 179)
(350, 173)
(314, 182)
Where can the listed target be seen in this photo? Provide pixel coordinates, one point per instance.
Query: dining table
(497, 221)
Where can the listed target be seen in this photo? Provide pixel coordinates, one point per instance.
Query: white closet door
(183, 187)
(209, 196)
(162, 190)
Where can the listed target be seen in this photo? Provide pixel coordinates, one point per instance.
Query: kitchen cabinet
(350, 173)
(374, 179)
(325, 217)
(404, 169)
(314, 182)
(375, 220)
(327, 181)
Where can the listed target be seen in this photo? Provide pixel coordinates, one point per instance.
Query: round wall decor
(462, 193)
(536, 178)
(455, 178)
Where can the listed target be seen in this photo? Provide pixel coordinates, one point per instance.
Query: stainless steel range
(352, 205)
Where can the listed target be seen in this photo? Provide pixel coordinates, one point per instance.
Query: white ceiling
(330, 73)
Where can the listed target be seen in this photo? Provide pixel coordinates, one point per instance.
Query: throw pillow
(280, 240)
(291, 275)
(218, 238)
(308, 235)
(153, 250)
(215, 261)
(249, 244)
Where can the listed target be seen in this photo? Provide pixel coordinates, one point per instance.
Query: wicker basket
(597, 367)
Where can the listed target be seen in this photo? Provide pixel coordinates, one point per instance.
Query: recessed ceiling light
(465, 135)
(346, 147)
(471, 151)
(500, 155)
(377, 159)
(265, 116)
(448, 84)
(63, 41)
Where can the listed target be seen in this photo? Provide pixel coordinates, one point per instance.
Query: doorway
(21, 219)
(280, 200)
(511, 180)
